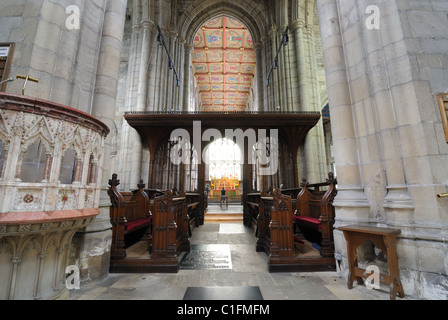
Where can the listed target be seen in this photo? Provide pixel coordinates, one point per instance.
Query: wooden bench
(193, 203)
(170, 226)
(275, 226)
(129, 212)
(251, 210)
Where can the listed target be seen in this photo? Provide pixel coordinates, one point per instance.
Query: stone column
(128, 134)
(188, 49)
(260, 75)
(47, 170)
(45, 49)
(398, 204)
(78, 170)
(142, 96)
(18, 173)
(3, 166)
(93, 172)
(298, 26)
(314, 149)
(95, 244)
(351, 203)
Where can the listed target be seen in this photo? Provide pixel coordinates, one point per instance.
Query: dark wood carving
(282, 234)
(275, 229)
(129, 212)
(167, 215)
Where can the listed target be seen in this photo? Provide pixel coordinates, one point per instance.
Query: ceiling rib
(224, 64)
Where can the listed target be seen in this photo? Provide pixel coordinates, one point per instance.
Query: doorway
(223, 181)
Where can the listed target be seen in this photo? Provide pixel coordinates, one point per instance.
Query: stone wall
(389, 142)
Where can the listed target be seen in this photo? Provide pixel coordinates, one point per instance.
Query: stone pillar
(314, 159)
(188, 49)
(78, 170)
(45, 48)
(18, 173)
(261, 84)
(47, 171)
(128, 134)
(142, 96)
(3, 166)
(351, 203)
(95, 243)
(93, 172)
(398, 204)
(298, 26)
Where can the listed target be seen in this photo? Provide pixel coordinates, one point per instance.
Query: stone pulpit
(50, 164)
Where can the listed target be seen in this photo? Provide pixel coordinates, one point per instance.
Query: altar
(230, 185)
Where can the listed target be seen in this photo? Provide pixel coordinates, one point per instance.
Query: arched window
(68, 165)
(33, 164)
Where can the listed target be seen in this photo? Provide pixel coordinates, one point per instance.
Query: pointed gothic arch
(199, 12)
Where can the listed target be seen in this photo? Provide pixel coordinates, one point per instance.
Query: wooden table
(384, 239)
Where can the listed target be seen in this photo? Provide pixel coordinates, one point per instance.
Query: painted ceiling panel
(224, 64)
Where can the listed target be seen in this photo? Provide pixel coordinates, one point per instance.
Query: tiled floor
(248, 269)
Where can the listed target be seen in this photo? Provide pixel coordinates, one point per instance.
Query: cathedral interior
(219, 149)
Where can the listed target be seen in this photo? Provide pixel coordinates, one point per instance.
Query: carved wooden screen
(443, 103)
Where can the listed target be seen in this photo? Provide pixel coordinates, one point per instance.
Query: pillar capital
(146, 23)
(298, 24)
(136, 28)
(257, 46)
(308, 29)
(188, 48)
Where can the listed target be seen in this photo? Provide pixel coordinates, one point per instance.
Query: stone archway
(248, 13)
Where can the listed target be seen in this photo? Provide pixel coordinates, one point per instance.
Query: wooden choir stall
(289, 227)
(160, 222)
(294, 226)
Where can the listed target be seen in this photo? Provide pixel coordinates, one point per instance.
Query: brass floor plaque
(207, 256)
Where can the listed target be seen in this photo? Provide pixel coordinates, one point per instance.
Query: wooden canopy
(154, 127)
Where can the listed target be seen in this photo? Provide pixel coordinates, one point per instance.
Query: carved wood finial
(304, 183)
(277, 192)
(331, 178)
(141, 185)
(113, 193)
(114, 182)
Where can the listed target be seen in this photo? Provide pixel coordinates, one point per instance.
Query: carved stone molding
(34, 241)
(25, 121)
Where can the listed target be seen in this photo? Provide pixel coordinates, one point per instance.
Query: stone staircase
(233, 213)
(223, 217)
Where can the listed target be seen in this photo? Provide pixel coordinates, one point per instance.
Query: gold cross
(26, 78)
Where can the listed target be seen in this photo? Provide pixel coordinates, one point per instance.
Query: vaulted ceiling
(224, 64)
